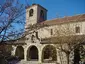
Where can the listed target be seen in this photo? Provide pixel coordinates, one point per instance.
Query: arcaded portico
(41, 53)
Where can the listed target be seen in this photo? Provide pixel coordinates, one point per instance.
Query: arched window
(31, 12)
(77, 29)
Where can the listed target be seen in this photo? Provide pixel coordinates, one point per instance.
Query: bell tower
(35, 14)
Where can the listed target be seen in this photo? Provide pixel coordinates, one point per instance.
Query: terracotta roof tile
(76, 18)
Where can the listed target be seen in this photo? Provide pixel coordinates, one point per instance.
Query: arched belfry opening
(19, 52)
(32, 53)
(31, 12)
(42, 14)
(49, 54)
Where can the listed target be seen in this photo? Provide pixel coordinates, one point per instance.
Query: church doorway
(49, 54)
(19, 52)
(32, 53)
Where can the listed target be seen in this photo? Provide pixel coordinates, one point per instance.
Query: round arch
(19, 52)
(32, 53)
(49, 53)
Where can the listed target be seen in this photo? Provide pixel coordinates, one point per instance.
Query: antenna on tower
(27, 5)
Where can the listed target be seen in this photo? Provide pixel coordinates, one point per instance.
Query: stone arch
(32, 53)
(49, 53)
(19, 52)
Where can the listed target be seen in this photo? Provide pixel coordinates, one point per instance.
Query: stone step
(28, 62)
(32, 62)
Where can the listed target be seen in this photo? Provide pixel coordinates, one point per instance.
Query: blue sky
(2, 1)
(61, 8)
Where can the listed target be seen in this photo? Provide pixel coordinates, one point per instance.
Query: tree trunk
(67, 55)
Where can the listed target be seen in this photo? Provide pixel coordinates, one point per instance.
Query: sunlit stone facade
(38, 47)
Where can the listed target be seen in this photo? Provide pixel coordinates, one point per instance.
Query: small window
(31, 13)
(51, 32)
(77, 29)
(32, 38)
(36, 34)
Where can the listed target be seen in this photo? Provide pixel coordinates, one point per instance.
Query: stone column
(58, 56)
(40, 55)
(25, 53)
(13, 51)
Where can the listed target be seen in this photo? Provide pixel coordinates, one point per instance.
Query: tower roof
(37, 5)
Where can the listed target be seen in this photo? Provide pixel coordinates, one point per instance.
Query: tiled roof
(76, 18)
(63, 39)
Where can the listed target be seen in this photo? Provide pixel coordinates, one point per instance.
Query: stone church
(39, 44)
